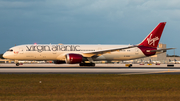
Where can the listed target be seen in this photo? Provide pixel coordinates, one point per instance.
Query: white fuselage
(54, 52)
(80, 53)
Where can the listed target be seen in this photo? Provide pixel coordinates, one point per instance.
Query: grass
(88, 87)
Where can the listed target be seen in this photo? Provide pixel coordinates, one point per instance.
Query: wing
(100, 52)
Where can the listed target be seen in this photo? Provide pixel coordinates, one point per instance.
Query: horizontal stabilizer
(162, 50)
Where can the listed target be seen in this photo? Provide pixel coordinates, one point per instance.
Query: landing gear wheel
(130, 65)
(87, 64)
(92, 64)
(17, 64)
(81, 64)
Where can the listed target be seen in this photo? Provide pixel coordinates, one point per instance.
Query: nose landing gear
(17, 64)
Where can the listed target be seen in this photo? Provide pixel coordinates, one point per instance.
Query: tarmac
(98, 69)
(77, 65)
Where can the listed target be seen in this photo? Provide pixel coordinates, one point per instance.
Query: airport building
(6, 61)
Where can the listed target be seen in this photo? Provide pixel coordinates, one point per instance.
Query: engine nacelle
(59, 62)
(73, 58)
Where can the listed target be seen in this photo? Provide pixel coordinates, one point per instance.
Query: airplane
(80, 54)
(174, 61)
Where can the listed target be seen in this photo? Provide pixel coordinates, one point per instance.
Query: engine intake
(73, 58)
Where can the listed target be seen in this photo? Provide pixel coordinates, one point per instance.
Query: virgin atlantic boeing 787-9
(78, 53)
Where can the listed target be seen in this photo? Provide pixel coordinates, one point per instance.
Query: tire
(87, 64)
(130, 66)
(81, 64)
(92, 64)
(17, 64)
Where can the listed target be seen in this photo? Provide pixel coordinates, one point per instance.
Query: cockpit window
(10, 50)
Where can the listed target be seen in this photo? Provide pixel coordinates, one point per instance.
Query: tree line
(172, 55)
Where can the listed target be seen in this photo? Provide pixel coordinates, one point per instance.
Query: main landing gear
(87, 64)
(83, 63)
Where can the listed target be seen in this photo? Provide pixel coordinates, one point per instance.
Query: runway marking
(172, 71)
(166, 71)
(169, 70)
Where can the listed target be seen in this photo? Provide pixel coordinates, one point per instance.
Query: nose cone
(4, 55)
(7, 55)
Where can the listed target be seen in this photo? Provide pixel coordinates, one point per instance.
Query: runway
(75, 69)
(77, 65)
(89, 70)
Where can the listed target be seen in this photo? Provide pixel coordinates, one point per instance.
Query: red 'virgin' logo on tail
(152, 41)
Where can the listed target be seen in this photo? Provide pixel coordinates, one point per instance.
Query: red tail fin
(153, 38)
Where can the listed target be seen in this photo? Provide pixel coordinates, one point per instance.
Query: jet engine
(73, 58)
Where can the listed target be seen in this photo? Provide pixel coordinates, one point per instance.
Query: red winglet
(153, 38)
